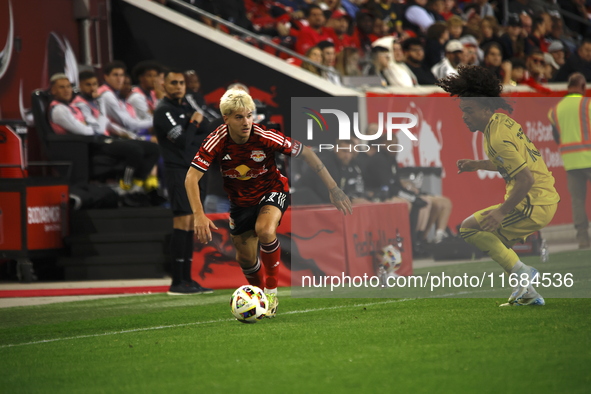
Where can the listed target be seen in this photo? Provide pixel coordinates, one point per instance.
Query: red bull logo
(243, 172)
(258, 155)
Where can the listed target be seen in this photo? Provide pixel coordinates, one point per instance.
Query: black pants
(139, 155)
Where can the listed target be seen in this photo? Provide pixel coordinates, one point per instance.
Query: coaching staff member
(180, 131)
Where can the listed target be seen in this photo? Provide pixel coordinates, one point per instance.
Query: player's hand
(467, 165)
(492, 220)
(197, 117)
(339, 199)
(203, 226)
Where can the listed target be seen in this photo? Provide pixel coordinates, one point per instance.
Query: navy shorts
(243, 219)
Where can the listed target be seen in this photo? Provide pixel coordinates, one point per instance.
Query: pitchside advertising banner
(420, 132)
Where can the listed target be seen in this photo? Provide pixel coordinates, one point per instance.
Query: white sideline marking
(196, 323)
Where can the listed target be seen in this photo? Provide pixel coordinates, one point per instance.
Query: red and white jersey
(248, 169)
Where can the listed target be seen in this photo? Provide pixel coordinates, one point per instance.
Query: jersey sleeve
(279, 142)
(208, 151)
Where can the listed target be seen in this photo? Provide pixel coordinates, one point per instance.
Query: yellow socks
(491, 245)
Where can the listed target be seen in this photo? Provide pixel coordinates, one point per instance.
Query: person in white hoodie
(400, 74)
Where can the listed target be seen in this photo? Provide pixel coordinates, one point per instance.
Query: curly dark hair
(476, 81)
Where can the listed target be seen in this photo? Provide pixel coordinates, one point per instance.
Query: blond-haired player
(259, 194)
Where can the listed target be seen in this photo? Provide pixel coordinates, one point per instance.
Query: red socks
(270, 254)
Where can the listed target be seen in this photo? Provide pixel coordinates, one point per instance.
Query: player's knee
(266, 233)
(470, 222)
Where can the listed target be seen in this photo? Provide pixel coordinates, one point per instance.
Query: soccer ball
(389, 259)
(249, 304)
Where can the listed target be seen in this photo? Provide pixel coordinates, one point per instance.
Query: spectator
(536, 40)
(380, 66)
(512, 40)
(399, 71)
(452, 10)
(364, 34)
(526, 23)
(314, 54)
(436, 8)
(143, 97)
(414, 54)
(518, 70)
(536, 68)
(314, 32)
(455, 26)
(454, 56)
(580, 61)
(347, 63)
(489, 27)
(83, 116)
(418, 17)
(328, 60)
(114, 75)
(437, 36)
(471, 50)
(555, 56)
(493, 60)
(339, 23)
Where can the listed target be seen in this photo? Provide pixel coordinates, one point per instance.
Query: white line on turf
(195, 323)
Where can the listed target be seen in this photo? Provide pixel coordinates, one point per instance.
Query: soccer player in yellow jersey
(530, 198)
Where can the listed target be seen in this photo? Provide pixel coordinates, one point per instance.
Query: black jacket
(179, 139)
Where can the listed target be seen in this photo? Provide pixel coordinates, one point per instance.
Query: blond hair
(235, 99)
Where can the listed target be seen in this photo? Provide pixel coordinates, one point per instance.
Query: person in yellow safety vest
(571, 124)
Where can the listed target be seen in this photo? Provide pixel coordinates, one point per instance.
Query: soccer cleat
(272, 307)
(184, 288)
(519, 291)
(202, 290)
(534, 301)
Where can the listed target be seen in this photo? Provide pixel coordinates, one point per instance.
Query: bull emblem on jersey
(258, 155)
(243, 172)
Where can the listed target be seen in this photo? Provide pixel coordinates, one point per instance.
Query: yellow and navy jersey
(511, 151)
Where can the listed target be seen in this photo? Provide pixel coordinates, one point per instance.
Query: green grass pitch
(191, 344)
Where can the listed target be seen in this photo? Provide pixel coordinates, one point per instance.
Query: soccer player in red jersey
(259, 194)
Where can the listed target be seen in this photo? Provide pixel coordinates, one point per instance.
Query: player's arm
(202, 222)
(524, 181)
(338, 198)
(467, 165)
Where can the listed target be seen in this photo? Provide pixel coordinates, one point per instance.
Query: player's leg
(266, 229)
(246, 245)
(242, 221)
(442, 207)
(182, 236)
(272, 207)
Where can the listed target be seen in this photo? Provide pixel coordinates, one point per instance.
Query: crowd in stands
(529, 43)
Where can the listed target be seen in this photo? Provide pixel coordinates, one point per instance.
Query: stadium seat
(75, 149)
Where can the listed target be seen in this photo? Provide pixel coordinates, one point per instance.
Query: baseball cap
(514, 21)
(339, 14)
(454, 46)
(556, 46)
(469, 40)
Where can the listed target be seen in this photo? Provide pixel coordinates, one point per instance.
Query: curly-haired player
(258, 192)
(530, 197)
